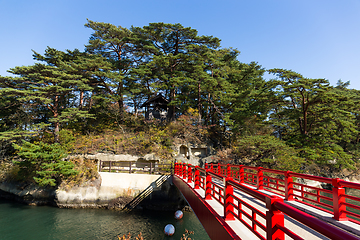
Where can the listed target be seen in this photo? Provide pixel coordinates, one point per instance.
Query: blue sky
(316, 38)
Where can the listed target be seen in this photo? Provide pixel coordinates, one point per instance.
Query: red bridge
(241, 202)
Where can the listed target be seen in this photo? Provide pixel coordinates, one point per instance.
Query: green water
(19, 221)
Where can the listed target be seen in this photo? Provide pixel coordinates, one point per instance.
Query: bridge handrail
(274, 171)
(256, 194)
(218, 176)
(295, 191)
(311, 177)
(314, 223)
(273, 204)
(203, 170)
(306, 219)
(293, 174)
(348, 184)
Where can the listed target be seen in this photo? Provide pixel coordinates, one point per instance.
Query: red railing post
(228, 170)
(274, 218)
(338, 201)
(206, 166)
(241, 173)
(208, 185)
(218, 170)
(289, 187)
(228, 200)
(212, 167)
(184, 171)
(189, 174)
(260, 179)
(197, 178)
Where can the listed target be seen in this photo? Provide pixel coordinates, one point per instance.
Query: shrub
(269, 152)
(87, 172)
(43, 162)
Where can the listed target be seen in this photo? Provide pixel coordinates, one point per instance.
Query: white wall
(113, 185)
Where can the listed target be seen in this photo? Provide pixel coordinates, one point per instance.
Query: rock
(27, 193)
(117, 157)
(120, 202)
(210, 159)
(181, 158)
(151, 157)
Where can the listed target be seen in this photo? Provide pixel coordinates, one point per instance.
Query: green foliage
(306, 105)
(250, 98)
(47, 90)
(8, 170)
(43, 162)
(316, 119)
(330, 156)
(268, 151)
(91, 102)
(86, 172)
(172, 53)
(67, 140)
(138, 137)
(115, 44)
(188, 128)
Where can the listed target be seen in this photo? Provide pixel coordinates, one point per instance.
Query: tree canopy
(286, 118)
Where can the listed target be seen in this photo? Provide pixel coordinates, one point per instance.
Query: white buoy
(169, 230)
(178, 214)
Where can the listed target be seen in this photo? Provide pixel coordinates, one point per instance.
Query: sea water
(22, 222)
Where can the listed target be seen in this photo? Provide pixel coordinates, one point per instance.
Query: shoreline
(165, 197)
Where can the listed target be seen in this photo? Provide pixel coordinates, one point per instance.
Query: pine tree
(114, 43)
(249, 99)
(44, 163)
(310, 118)
(167, 49)
(47, 90)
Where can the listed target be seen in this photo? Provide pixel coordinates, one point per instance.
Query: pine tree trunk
(199, 100)
(172, 108)
(207, 119)
(56, 115)
(81, 104)
(56, 132)
(121, 110)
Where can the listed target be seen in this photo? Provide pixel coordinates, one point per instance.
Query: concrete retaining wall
(123, 184)
(113, 185)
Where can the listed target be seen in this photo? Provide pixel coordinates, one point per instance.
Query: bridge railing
(299, 187)
(269, 225)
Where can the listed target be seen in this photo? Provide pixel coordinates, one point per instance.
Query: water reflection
(27, 222)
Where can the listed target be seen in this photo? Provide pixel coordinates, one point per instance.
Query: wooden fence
(136, 167)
